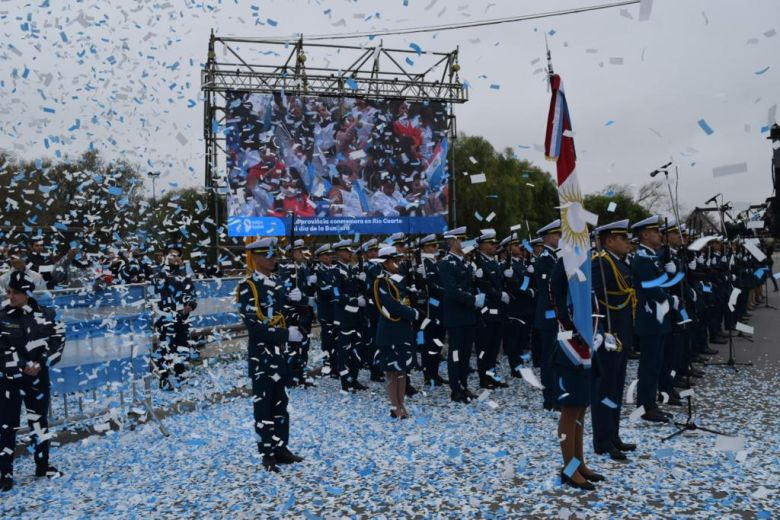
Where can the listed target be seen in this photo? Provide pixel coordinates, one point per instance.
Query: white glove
(675, 302)
(420, 269)
(509, 273)
(312, 301)
(478, 273)
(695, 297)
(598, 339)
(362, 276)
(312, 279)
(295, 295)
(479, 301)
(700, 259)
(530, 269)
(692, 265)
(670, 268)
(294, 334)
(361, 301)
(610, 343)
(504, 297)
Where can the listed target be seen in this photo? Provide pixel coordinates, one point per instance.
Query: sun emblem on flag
(574, 228)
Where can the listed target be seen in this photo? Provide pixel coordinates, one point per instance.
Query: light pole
(153, 176)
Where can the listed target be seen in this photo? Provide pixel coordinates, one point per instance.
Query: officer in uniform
(31, 340)
(519, 312)
(536, 340)
(612, 287)
(433, 332)
(490, 281)
(544, 320)
(678, 342)
(300, 283)
(348, 302)
(178, 299)
(326, 278)
(461, 304)
(370, 314)
(395, 330)
(260, 300)
(652, 322)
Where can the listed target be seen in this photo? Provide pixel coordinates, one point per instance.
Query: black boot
(48, 471)
(285, 456)
(270, 464)
(6, 483)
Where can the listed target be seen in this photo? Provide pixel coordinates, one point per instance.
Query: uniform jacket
(544, 318)
(457, 279)
(492, 284)
(645, 267)
(396, 315)
(29, 334)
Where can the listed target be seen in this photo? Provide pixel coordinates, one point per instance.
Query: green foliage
(82, 199)
(515, 190)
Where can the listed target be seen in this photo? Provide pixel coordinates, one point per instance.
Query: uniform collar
(648, 248)
(258, 276)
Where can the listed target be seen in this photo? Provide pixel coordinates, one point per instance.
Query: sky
(697, 83)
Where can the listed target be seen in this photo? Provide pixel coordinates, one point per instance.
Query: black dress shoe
(655, 416)
(411, 391)
(377, 379)
(516, 373)
(718, 341)
(625, 446)
(441, 381)
(674, 401)
(614, 454)
(359, 387)
(587, 486)
(682, 384)
(48, 472)
(710, 351)
(633, 355)
(270, 464)
(458, 397)
(488, 383)
(471, 395)
(6, 484)
(285, 456)
(596, 477)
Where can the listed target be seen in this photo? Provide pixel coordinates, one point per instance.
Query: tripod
(689, 425)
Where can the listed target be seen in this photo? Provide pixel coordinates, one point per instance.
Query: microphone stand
(731, 362)
(689, 424)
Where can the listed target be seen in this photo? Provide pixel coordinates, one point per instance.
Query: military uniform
(28, 335)
(544, 319)
(489, 280)
(460, 316)
(348, 300)
(260, 300)
(395, 328)
(369, 315)
(299, 311)
(652, 302)
(433, 333)
(176, 291)
(519, 312)
(612, 286)
(325, 297)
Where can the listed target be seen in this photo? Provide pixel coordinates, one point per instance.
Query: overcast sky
(125, 76)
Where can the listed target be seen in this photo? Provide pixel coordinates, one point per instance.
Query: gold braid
(394, 294)
(276, 321)
(623, 288)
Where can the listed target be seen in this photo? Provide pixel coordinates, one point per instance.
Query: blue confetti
(115, 190)
(704, 126)
(272, 23)
(49, 110)
(571, 467)
(759, 72)
(608, 402)
(416, 48)
(351, 83)
(609, 123)
(495, 86)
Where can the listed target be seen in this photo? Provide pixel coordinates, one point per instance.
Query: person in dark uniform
(395, 329)
(300, 283)
(519, 312)
(31, 341)
(461, 304)
(536, 340)
(652, 323)
(489, 279)
(433, 332)
(544, 320)
(370, 314)
(571, 358)
(325, 296)
(260, 300)
(348, 302)
(611, 277)
(177, 300)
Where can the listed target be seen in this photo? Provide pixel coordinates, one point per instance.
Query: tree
(515, 190)
(83, 200)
